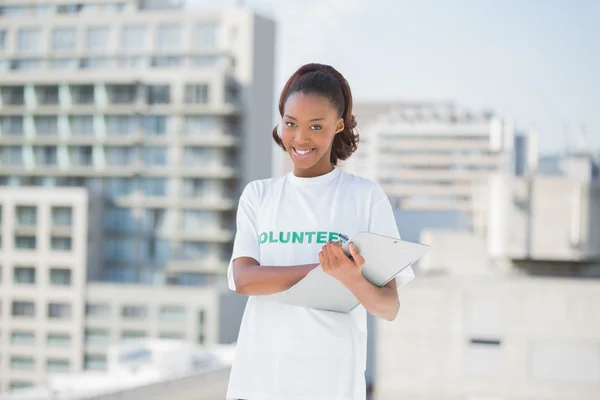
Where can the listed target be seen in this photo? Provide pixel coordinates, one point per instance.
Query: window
(133, 39)
(45, 155)
(82, 124)
(97, 309)
(155, 125)
(22, 363)
(133, 335)
(12, 125)
(81, 155)
(69, 9)
(23, 308)
(60, 276)
(121, 125)
(134, 62)
(154, 187)
(205, 61)
(194, 187)
(122, 94)
(94, 362)
(83, 94)
(198, 125)
(19, 385)
(29, 40)
(154, 156)
(168, 37)
(58, 365)
(119, 250)
(26, 215)
(22, 337)
(62, 216)
(97, 39)
(26, 64)
(156, 251)
(61, 243)
(47, 94)
(194, 220)
(172, 314)
(118, 156)
(134, 312)
(13, 95)
(119, 220)
(165, 61)
(96, 336)
(191, 279)
(159, 94)
(25, 242)
(11, 156)
(2, 40)
(46, 125)
(64, 63)
(96, 62)
(24, 275)
(59, 311)
(197, 156)
(172, 335)
(155, 220)
(63, 39)
(191, 250)
(59, 339)
(116, 187)
(197, 93)
(205, 35)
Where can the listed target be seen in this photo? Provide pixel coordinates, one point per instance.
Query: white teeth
(303, 152)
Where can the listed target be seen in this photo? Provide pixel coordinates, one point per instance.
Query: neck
(313, 172)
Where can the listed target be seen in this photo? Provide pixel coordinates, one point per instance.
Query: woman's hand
(337, 264)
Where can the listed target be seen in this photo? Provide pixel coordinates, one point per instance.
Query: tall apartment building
(427, 156)
(161, 113)
(54, 322)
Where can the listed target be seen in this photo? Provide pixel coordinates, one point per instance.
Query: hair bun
(352, 123)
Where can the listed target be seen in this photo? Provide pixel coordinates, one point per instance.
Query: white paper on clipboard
(385, 257)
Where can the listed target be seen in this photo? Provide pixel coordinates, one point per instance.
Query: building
(427, 156)
(143, 369)
(508, 311)
(53, 321)
(162, 114)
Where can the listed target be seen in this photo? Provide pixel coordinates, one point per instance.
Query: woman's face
(308, 127)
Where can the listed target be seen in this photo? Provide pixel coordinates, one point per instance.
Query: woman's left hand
(337, 264)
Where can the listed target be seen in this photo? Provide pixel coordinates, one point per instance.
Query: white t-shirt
(286, 352)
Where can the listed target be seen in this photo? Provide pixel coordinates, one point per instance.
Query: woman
(287, 226)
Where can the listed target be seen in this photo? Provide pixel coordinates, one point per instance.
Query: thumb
(358, 259)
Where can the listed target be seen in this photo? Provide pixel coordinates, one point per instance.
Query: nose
(302, 136)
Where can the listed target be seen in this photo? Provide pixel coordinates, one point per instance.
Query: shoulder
(364, 187)
(256, 190)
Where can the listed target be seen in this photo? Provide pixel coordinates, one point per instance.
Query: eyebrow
(314, 119)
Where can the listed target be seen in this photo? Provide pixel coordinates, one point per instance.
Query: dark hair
(326, 81)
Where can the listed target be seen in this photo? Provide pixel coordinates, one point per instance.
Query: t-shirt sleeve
(383, 222)
(245, 243)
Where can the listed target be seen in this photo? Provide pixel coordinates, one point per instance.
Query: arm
(254, 279)
(382, 302)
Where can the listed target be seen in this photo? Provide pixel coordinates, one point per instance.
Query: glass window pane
(155, 125)
(59, 311)
(59, 340)
(97, 38)
(24, 275)
(29, 40)
(64, 39)
(60, 276)
(205, 35)
(133, 39)
(168, 37)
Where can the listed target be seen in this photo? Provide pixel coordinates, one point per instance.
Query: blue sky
(534, 61)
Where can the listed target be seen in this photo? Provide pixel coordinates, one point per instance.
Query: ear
(339, 127)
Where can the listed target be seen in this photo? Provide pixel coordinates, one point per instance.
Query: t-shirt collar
(328, 177)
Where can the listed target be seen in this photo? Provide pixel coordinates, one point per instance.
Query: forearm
(261, 280)
(380, 301)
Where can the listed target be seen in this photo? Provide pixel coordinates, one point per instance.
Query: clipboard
(385, 257)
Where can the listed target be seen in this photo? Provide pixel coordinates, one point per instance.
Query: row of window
(194, 93)
(27, 275)
(75, 8)
(439, 167)
(131, 38)
(95, 362)
(117, 156)
(121, 187)
(112, 125)
(127, 62)
(28, 309)
(170, 313)
(29, 242)
(27, 215)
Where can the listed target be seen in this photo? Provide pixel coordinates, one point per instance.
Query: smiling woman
(317, 128)
(285, 226)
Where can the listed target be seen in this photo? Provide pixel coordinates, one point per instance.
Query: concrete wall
(492, 337)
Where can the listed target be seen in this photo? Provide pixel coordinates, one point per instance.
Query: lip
(302, 156)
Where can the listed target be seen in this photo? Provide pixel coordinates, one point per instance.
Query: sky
(535, 62)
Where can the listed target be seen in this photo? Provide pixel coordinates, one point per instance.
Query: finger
(358, 259)
(337, 250)
(322, 260)
(326, 256)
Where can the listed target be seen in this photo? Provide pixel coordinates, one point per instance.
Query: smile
(302, 152)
